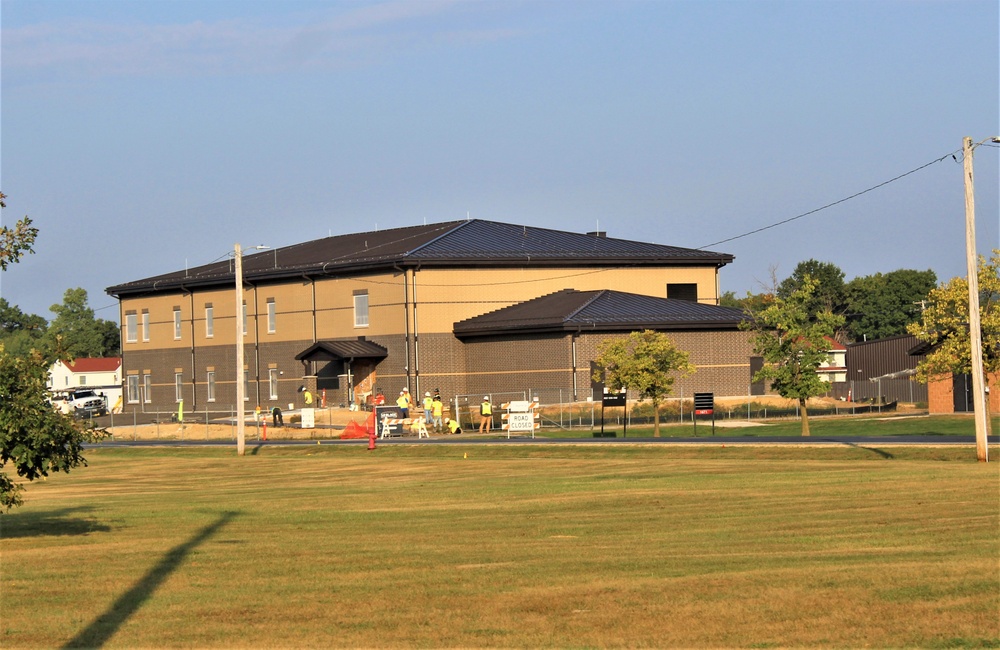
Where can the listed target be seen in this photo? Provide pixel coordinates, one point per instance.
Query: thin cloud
(92, 49)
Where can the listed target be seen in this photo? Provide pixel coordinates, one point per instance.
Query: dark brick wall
(722, 361)
(491, 365)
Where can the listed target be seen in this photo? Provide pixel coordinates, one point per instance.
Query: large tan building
(397, 308)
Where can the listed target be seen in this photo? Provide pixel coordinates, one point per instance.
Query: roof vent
(598, 233)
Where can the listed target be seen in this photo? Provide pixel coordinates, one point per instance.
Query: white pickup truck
(85, 403)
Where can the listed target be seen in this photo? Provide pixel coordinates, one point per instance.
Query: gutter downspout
(416, 340)
(194, 375)
(573, 338)
(256, 327)
(121, 345)
(406, 316)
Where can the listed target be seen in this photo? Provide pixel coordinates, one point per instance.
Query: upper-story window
(272, 316)
(361, 309)
(209, 321)
(683, 291)
(177, 323)
(244, 318)
(145, 326)
(131, 328)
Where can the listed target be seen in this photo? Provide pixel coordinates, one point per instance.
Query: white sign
(308, 419)
(521, 421)
(519, 406)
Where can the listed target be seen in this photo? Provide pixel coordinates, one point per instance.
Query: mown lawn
(526, 546)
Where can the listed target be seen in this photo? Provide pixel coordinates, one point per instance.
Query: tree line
(872, 306)
(73, 333)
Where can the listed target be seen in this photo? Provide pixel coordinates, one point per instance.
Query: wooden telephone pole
(240, 388)
(975, 328)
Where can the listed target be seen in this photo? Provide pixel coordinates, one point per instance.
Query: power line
(830, 205)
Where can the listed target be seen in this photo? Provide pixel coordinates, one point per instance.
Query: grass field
(500, 546)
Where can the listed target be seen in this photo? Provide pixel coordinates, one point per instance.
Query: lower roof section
(571, 310)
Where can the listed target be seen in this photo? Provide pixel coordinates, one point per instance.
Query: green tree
(19, 332)
(16, 241)
(35, 439)
(945, 325)
(751, 302)
(791, 339)
(646, 362)
(828, 292)
(75, 332)
(883, 305)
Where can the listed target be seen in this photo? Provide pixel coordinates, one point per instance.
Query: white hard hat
(427, 394)
(486, 397)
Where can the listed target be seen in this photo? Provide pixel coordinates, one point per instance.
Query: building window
(211, 386)
(145, 327)
(177, 323)
(244, 318)
(179, 387)
(133, 389)
(131, 325)
(272, 376)
(361, 309)
(209, 322)
(147, 388)
(82, 380)
(688, 292)
(272, 317)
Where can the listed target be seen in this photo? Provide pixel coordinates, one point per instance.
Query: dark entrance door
(756, 387)
(962, 389)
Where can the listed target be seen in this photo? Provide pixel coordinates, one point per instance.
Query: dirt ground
(330, 424)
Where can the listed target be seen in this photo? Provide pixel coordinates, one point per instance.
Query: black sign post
(704, 404)
(386, 413)
(614, 399)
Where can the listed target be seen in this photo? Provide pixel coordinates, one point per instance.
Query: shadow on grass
(50, 523)
(879, 452)
(102, 628)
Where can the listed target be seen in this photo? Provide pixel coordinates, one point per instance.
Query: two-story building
(395, 308)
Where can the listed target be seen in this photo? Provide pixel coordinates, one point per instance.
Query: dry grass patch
(339, 547)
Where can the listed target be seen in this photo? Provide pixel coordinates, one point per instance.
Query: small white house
(103, 375)
(835, 369)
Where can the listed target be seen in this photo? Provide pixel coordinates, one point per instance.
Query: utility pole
(975, 328)
(240, 390)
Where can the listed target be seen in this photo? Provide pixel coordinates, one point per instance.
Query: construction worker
(428, 406)
(453, 425)
(437, 410)
(403, 402)
(486, 415)
(309, 398)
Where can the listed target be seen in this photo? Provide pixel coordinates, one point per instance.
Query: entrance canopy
(342, 351)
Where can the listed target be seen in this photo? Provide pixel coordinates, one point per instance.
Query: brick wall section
(941, 395)
(721, 359)
(479, 366)
(505, 365)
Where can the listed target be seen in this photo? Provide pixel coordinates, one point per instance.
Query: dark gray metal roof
(571, 310)
(336, 350)
(449, 244)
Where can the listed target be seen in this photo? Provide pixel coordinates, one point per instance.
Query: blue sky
(143, 137)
